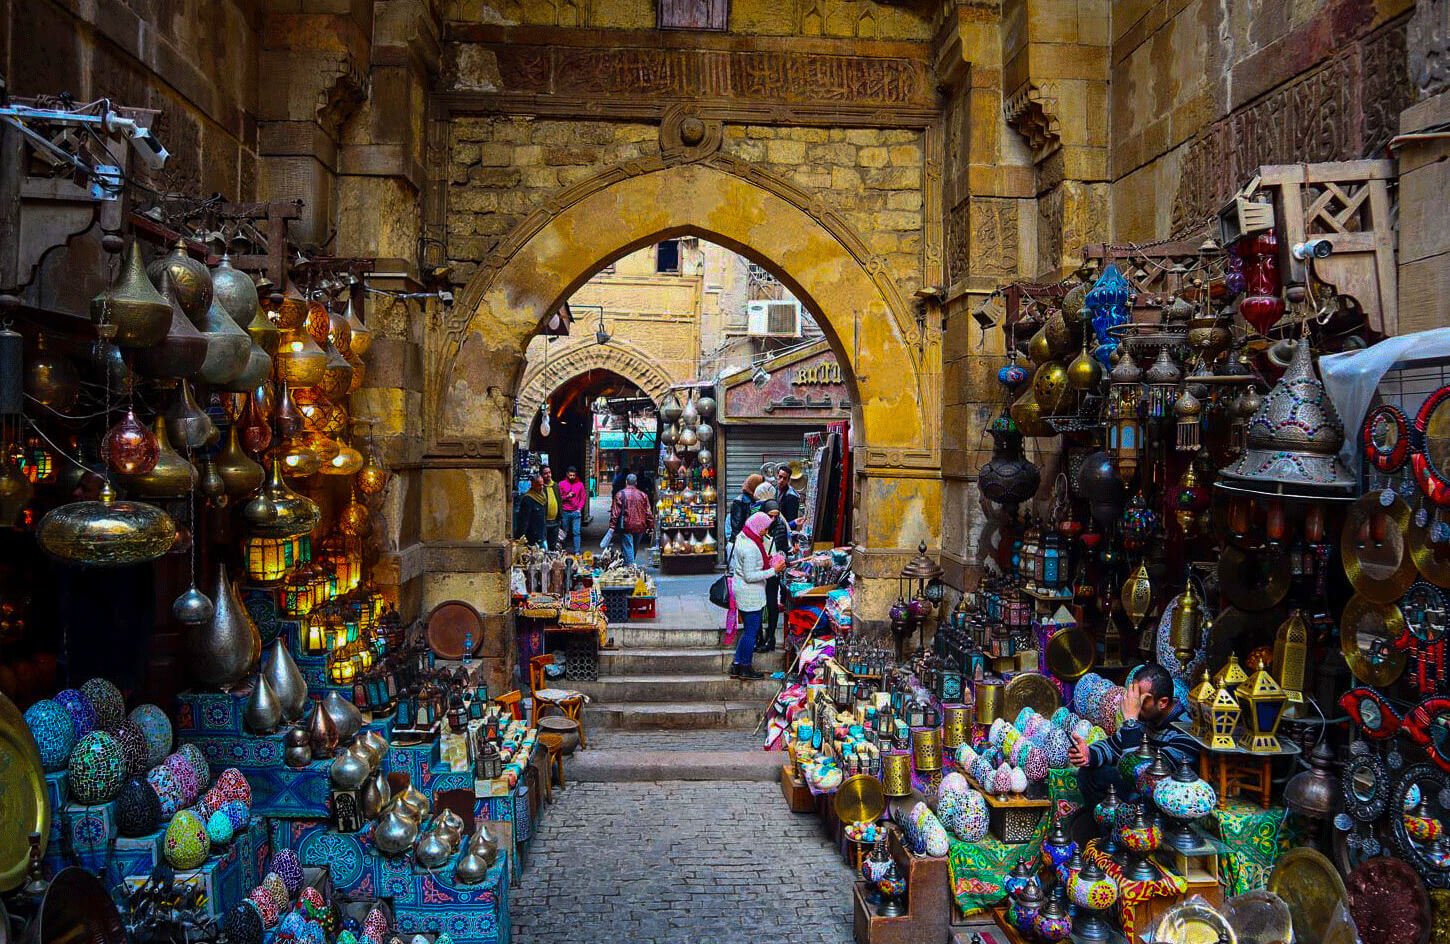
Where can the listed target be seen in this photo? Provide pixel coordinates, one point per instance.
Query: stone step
(705, 687)
(660, 660)
(605, 766)
(643, 636)
(673, 715)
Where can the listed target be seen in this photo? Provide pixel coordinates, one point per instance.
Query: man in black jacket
(1149, 707)
(789, 498)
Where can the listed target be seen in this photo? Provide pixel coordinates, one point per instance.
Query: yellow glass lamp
(1223, 713)
(297, 593)
(342, 670)
(268, 559)
(1232, 675)
(314, 638)
(1263, 702)
(1200, 702)
(345, 560)
(1138, 594)
(1291, 653)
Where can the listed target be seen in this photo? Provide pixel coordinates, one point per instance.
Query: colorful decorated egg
(375, 926)
(981, 771)
(347, 937)
(233, 785)
(933, 835)
(138, 811)
(168, 791)
(1082, 728)
(96, 770)
(311, 933)
(1018, 780)
(289, 927)
(965, 756)
(133, 746)
(243, 925)
(971, 825)
(1055, 747)
(82, 713)
(107, 700)
(186, 780)
(273, 883)
(187, 845)
(199, 764)
(219, 829)
(54, 732)
(1023, 717)
(157, 728)
(237, 812)
(310, 900)
(1111, 709)
(1059, 717)
(266, 907)
(285, 863)
(1035, 765)
(998, 732)
(1002, 780)
(444, 938)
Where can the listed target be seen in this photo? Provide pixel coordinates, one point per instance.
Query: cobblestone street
(681, 863)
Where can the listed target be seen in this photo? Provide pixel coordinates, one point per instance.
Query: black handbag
(720, 589)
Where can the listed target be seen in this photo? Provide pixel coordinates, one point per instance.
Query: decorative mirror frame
(1432, 481)
(1425, 587)
(1390, 460)
(1435, 876)
(1364, 758)
(1390, 719)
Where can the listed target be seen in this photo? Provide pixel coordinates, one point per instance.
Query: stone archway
(893, 356)
(616, 356)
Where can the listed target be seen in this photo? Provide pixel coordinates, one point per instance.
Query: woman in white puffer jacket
(752, 569)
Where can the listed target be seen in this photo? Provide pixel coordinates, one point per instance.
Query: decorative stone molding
(617, 357)
(685, 136)
(1032, 112)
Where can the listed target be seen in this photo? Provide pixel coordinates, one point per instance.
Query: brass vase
(171, 477)
(345, 716)
(239, 472)
(190, 278)
(285, 680)
(140, 314)
(235, 291)
(106, 533)
(321, 732)
(228, 346)
(222, 650)
(292, 514)
(375, 795)
(263, 712)
(186, 422)
(182, 351)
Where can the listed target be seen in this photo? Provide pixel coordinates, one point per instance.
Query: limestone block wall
(851, 19)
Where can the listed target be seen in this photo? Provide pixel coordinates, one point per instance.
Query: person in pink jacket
(573, 499)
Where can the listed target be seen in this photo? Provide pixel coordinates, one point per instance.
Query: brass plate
(1253, 582)
(1433, 567)
(23, 807)
(1259, 917)
(1030, 689)
(1311, 887)
(1070, 654)
(449, 624)
(860, 799)
(1379, 574)
(1363, 623)
(1194, 923)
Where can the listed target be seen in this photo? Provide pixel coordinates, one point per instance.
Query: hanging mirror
(1385, 438)
(1367, 634)
(1375, 550)
(1426, 610)
(1374, 716)
(1366, 784)
(1428, 725)
(1420, 815)
(1430, 447)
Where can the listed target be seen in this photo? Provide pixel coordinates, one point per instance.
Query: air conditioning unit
(773, 319)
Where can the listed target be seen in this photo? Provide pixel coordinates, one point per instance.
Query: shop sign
(811, 388)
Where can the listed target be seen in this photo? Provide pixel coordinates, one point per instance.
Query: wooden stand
(1013, 820)
(928, 903)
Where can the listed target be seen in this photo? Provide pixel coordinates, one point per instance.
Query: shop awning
(618, 439)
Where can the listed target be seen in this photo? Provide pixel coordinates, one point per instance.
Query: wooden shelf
(688, 554)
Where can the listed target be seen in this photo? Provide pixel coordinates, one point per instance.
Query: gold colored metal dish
(1381, 568)
(1030, 689)
(1311, 887)
(23, 807)
(1070, 654)
(860, 799)
(1367, 631)
(1255, 581)
(1194, 923)
(1434, 567)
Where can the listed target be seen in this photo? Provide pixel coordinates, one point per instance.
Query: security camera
(1313, 249)
(143, 142)
(445, 297)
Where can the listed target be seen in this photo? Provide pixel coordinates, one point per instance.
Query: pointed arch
(618, 357)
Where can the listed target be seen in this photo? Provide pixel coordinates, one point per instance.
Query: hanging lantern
(39, 464)
(106, 533)
(362, 336)
(372, 478)
(298, 460)
(128, 447)
(1124, 428)
(1137, 594)
(297, 594)
(1291, 655)
(1108, 301)
(1189, 412)
(314, 639)
(51, 379)
(1190, 499)
(1162, 379)
(344, 561)
(1184, 625)
(1262, 305)
(299, 361)
(171, 477)
(347, 461)
(268, 559)
(1139, 524)
(1008, 478)
(139, 313)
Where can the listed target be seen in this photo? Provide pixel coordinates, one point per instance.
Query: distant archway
(616, 357)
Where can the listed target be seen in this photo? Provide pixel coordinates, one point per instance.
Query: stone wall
(850, 19)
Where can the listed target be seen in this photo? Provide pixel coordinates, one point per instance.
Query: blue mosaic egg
(107, 700)
(133, 746)
(286, 864)
(82, 713)
(243, 924)
(237, 812)
(199, 765)
(347, 937)
(290, 926)
(54, 732)
(311, 933)
(157, 728)
(97, 769)
(1056, 746)
(219, 829)
(138, 810)
(168, 791)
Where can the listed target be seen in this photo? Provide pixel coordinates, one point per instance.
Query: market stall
(1198, 692)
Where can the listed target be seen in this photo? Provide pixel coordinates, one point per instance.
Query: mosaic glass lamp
(1141, 836)
(1093, 891)
(1184, 798)
(1105, 814)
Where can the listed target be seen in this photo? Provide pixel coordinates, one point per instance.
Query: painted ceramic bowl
(82, 713)
(157, 728)
(97, 769)
(187, 845)
(219, 829)
(133, 746)
(106, 699)
(285, 864)
(54, 732)
(138, 811)
(199, 765)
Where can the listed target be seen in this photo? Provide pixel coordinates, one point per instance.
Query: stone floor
(706, 739)
(680, 863)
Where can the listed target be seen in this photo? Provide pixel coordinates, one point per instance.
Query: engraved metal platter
(23, 806)
(860, 799)
(1070, 654)
(1030, 689)
(1194, 922)
(1375, 547)
(1311, 887)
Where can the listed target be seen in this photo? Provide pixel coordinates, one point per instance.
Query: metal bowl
(566, 728)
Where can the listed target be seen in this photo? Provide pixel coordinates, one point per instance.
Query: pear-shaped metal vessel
(375, 795)
(286, 680)
(376, 742)
(293, 514)
(258, 368)
(193, 607)
(222, 650)
(191, 278)
(394, 833)
(348, 771)
(471, 868)
(299, 361)
(227, 346)
(189, 425)
(140, 313)
(262, 712)
(431, 851)
(362, 335)
(265, 334)
(321, 732)
(183, 349)
(345, 716)
(240, 474)
(235, 292)
(171, 477)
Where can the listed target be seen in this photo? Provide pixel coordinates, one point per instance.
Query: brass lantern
(314, 638)
(1200, 703)
(1291, 653)
(297, 593)
(346, 563)
(1232, 675)
(1186, 621)
(268, 559)
(1124, 428)
(1223, 715)
(1137, 594)
(1263, 701)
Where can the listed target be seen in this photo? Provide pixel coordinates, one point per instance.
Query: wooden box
(928, 903)
(797, 795)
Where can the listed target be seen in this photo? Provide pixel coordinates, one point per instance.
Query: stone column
(1424, 240)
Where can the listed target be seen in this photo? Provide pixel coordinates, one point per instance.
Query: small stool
(554, 744)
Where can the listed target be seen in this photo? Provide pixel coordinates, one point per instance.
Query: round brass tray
(1194, 923)
(1070, 654)
(860, 799)
(1311, 887)
(1433, 567)
(1030, 689)
(1362, 615)
(23, 806)
(1254, 582)
(1379, 574)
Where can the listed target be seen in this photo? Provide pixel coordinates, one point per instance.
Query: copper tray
(1379, 574)
(23, 805)
(1362, 614)
(448, 624)
(1311, 887)
(1388, 902)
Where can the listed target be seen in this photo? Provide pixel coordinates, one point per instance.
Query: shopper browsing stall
(753, 567)
(743, 505)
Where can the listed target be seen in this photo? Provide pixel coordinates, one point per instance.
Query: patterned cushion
(559, 694)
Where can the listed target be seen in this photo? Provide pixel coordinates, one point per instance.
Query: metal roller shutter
(748, 447)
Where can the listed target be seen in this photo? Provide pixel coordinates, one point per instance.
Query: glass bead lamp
(1105, 814)
(1057, 848)
(1053, 923)
(1184, 798)
(1093, 891)
(1141, 836)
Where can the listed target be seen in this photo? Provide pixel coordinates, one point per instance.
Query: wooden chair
(568, 703)
(513, 701)
(554, 744)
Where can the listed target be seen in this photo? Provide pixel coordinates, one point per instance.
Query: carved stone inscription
(709, 74)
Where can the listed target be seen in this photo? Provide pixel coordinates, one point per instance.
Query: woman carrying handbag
(752, 567)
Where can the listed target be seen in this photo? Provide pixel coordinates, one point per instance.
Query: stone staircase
(662, 678)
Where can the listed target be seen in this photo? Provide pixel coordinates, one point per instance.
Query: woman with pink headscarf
(752, 567)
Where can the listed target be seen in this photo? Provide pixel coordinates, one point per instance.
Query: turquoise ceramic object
(54, 732)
